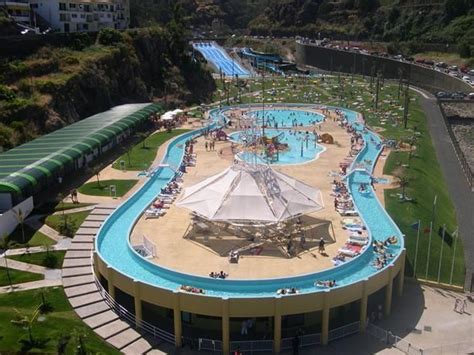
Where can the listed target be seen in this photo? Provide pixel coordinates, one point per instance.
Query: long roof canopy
(247, 193)
(25, 165)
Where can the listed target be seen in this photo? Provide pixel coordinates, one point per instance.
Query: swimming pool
(285, 118)
(113, 247)
(302, 147)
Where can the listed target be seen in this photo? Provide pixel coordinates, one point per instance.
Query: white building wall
(9, 220)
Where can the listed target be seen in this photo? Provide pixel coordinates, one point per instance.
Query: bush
(50, 261)
(464, 50)
(6, 93)
(109, 37)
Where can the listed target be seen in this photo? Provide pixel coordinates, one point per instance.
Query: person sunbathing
(326, 283)
(159, 204)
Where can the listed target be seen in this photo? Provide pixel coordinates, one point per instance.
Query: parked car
(470, 96)
(442, 95)
(471, 72)
(429, 62)
(457, 96)
(441, 65)
(466, 78)
(453, 68)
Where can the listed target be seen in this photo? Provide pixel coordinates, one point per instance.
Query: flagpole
(454, 256)
(441, 253)
(416, 248)
(429, 251)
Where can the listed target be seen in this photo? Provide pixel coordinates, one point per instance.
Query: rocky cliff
(57, 86)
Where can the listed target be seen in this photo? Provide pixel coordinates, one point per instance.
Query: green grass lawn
(141, 156)
(73, 219)
(425, 178)
(425, 182)
(94, 189)
(32, 237)
(61, 325)
(17, 277)
(39, 258)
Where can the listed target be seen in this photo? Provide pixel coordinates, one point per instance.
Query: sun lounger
(154, 213)
(343, 212)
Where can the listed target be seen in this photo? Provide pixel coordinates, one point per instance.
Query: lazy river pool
(112, 242)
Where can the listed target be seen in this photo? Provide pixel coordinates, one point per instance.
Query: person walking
(322, 244)
(206, 146)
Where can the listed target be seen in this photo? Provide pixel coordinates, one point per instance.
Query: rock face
(41, 93)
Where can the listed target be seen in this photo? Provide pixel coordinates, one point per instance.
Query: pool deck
(198, 256)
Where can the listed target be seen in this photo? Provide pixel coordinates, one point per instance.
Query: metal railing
(129, 317)
(209, 345)
(252, 346)
(393, 340)
(344, 331)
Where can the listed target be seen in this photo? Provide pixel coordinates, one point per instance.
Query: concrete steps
(84, 295)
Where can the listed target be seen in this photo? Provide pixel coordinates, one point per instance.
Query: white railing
(343, 331)
(209, 345)
(125, 314)
(305, 341)
(252, 346)
(393, 340)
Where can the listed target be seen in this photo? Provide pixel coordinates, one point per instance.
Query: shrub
(109, 37)
(50, 260)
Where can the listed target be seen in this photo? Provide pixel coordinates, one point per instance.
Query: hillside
(56, 86)
(435, 21)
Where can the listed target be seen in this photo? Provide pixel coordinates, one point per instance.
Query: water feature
(112, 242)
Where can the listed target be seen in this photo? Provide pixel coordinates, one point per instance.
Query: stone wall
(351, 62)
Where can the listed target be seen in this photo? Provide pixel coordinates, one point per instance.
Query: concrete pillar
(325, 319)
(401, 274)
(225, 327)
(363, 307)
(178, 331)
(277, 326)
(110, 282)
(138, 303)
(388, 291)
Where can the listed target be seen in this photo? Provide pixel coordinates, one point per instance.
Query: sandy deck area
(181, 250)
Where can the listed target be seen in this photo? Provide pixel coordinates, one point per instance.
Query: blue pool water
(220, 59)
(302, 147)
(112, 242)
(284, 118)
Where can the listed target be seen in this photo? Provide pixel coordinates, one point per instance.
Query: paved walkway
(75, 210)
(84, 295)
(35, 223)
(34, 285)
(458, 187)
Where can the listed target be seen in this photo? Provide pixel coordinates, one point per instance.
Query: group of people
(325, 283)
(218, 275)
(191, 289)
(287, 291)
(383, 256)
(342, 200)
(211, 146)
(172, 188)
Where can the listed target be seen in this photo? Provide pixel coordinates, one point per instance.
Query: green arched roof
(24, 166)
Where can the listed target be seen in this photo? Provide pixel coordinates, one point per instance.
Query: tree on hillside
(403, 181)
(95, 170)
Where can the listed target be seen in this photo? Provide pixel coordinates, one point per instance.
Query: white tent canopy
(171, 115)
(251, 193)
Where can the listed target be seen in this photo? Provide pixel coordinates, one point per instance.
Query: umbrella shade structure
(249, 193)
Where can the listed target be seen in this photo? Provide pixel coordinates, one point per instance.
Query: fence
(129, 317)
(393, 340)
(209, 345)
(252, 346)
(460, 154)
(344, 331)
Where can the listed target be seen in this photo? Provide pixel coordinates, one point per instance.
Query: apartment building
(84, 15)
(19, 10)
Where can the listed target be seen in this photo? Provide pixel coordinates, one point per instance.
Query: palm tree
(95, 170)
(403, 181)
(25, 321)
(142, 136)
(20, 217)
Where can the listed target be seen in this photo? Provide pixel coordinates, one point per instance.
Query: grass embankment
(32, 238)
(142, 155)
(58, 331)
(41, 258)
(423, 172)
(51, 207)
(17, 277)
(103, 188)
(74, 220)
